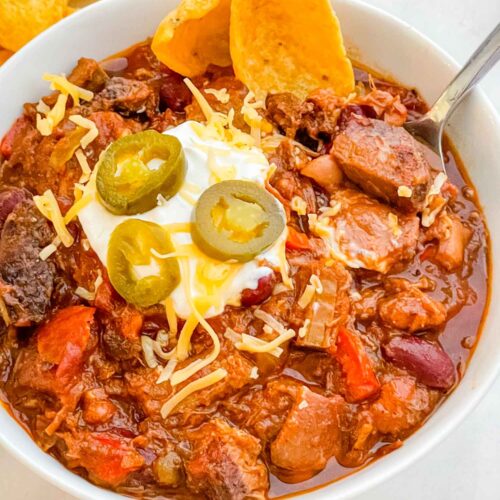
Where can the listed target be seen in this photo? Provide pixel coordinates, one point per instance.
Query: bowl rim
(81, 488)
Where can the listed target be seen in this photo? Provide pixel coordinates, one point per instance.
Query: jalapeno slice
(236, 220)
(137, 275)
(136, 168)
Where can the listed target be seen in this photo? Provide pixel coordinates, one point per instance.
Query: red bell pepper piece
(361, 381)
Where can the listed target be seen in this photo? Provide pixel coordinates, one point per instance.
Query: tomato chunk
(361, 381)
(297, 240)
(64, 338)
(7, 143)
(108, 458)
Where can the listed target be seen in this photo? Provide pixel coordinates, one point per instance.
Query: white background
(466, 466)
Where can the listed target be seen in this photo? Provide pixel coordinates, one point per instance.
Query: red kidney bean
(173, 91)
(426, 361)
(263, 291)
(9, 199)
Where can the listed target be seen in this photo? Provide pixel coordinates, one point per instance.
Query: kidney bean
(9, 199)
(263, 291)
(173, 92)
(428, 362)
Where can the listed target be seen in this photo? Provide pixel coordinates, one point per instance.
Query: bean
(263, 291)
(427, 361)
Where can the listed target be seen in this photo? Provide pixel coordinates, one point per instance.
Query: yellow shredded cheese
(4, 312)
(307, 296)
(394, 224)
(197, 385)
(77, 206)
(248, 342)
(171, 316)
(235, 338)
(60, 83)
(304, 328)
(298, 205)
(84, 164)
(220, 94)
(47, 205)
(53, 117)
(92, 133)
(405, 192)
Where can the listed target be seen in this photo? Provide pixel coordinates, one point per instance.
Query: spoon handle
(483, 59)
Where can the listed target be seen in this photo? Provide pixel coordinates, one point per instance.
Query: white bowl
(379, 41)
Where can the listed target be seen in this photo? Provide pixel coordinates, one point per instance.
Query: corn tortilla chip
(22, 20)
(289, 46)
(193, 36)
(4, 55)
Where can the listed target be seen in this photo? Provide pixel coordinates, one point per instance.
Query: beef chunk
(89, 75)
(263, 411)
(141, 384)
(367, 234)
(381, 158)
(26, 282)
(127, 97)
(285, 110)
(403, 404)
(10, 197)
(452, 237)
(238, 370)
(317, 116)
(311, 434)
(224, 463)
(412, 310)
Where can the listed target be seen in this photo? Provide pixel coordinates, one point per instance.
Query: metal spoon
(429, 128)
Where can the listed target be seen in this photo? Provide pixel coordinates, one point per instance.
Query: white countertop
(465, 466)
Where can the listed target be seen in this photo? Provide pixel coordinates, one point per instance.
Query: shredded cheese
(304, 328)
(220, 94)
(298, 205)
(46, 252)
(197, 385)
(4, 312)
(47, 205)
(84, 164)
(75, 209)
(53, 117)
(167, 371)
(303, 404)
(60, 83)
(92, 133)
(394, 224)
(248, 342)
(307, 296)
(147, 349)
(254, 373)
(270, 321)
(88, 295)
(171, 316)
(405, 192)
(235, 338)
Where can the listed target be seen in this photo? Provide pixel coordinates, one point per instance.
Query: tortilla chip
(4, 55)
(22, 20)
(193, 36)
(289, 46)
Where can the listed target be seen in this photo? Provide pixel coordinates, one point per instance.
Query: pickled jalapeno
(137, 168)
(236, 220)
